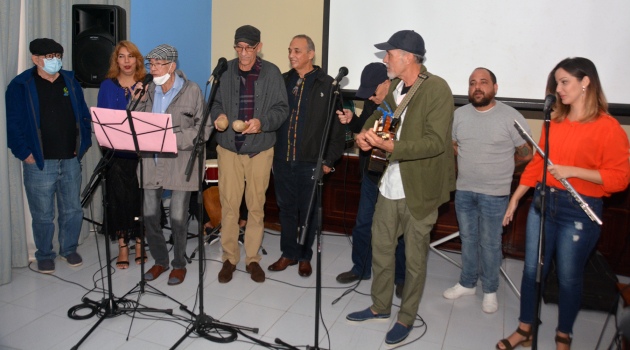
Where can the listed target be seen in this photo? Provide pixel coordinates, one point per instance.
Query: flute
(587, 209)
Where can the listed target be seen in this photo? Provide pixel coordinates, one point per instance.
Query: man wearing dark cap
(373, 89)
(251, 92)
(296, 157)
(418, 179)
(172, 93)
(49, 130)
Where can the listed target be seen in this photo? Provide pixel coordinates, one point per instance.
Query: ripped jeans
(570, 237)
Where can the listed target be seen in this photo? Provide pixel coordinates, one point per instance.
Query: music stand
(116, 130)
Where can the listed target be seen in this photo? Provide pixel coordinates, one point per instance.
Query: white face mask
(159, 81)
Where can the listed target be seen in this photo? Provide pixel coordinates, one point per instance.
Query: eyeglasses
(157, 65)
(51, 55)
(248, 49)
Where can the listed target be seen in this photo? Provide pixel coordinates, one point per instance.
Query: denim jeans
(362, 235)
(61, 180)
(178, 211)
(480, 218)
(570, 236)
(293, 182)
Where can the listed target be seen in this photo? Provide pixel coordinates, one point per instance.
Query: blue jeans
(362, 235)
(570, 236)
(61, 180)
(480, 218)
(293, 182)
(178, 212)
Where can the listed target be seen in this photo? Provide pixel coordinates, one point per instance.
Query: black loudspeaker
(96, 29)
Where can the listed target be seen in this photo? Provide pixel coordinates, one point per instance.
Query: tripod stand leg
(510, 283)
(433, 246)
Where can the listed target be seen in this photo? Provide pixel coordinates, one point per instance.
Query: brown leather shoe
(225, 275)
(254, 269)
(282, 264)
(154, 272)
(176, 276)
(304, 268)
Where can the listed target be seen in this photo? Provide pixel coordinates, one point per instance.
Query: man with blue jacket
(49, 130)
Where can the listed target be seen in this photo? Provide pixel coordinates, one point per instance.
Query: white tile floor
(34, 307)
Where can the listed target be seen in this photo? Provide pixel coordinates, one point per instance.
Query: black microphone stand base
(111, 310)
(208, 328)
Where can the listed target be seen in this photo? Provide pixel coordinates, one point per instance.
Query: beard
(482, 101)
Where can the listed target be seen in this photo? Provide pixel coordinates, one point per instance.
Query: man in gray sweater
(251, 93)
(487, 146)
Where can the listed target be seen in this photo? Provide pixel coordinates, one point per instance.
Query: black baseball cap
(406, 40)
(372, 76)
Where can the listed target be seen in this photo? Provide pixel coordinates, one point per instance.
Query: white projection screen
(520, 41)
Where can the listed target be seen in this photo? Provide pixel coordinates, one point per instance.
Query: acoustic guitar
(386, 129)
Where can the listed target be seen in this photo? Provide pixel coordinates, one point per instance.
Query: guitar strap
(378, 159)
(403, 104)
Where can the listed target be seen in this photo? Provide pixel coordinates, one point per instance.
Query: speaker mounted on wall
(96, 29)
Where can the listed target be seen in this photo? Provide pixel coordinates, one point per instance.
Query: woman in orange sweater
(590, 150)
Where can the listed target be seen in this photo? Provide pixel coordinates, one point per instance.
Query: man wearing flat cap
(251, 92)
(418, 179)
(373, 89)
(172, 93)
(49, 130)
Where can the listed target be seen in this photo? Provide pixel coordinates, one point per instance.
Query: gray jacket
(186, 110)
(270, 103)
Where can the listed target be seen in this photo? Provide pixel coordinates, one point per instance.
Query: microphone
(147, 80)
(549, 101)
(343, 71)
(218, 70)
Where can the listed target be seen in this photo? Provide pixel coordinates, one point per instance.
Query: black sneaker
(46, 266)
(73, 259)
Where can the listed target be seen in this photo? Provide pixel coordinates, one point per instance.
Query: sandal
(563, 340)
(122, 264)
(527, 342)
(139, 253)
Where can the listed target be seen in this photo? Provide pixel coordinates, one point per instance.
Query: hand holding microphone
(142, 85)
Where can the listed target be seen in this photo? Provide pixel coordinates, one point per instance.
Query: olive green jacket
(424, 149)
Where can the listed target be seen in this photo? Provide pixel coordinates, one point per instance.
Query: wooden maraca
(222, 123)
(239, 125)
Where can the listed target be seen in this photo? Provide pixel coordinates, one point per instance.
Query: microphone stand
(541, 234)
(202, 324)
(316, 201)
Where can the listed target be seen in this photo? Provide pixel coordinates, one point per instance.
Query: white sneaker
(458, 291)
(490, 304)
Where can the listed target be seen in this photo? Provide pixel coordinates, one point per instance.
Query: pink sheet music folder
(154, 130)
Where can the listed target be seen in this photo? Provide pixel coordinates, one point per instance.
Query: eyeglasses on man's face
(52, 55)
(248, 49)
(156, 65)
